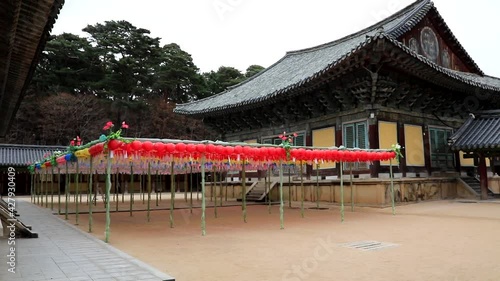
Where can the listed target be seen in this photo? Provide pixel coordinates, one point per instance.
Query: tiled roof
(479, 132)
(300, 67)
(22, 155)
(25, 26)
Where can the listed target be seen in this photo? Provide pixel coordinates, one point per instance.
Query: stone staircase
(258, 191)
(473, 183)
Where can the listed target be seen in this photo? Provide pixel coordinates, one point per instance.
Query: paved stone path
(62, 252)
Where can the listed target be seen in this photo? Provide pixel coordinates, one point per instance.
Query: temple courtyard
(454, 240)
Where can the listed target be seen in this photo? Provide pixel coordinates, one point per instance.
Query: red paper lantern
(180, 147)
(238, 149)
(114, 144)
(229, 150)
(201, 148)
(136, 145)
(190, 148)
(169, 148)
(147, 146)
(247, 151)
(219, 149)
(160, 147)
(210, 148)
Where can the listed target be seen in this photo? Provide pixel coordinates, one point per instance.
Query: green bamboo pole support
(213, 183)
(203, 207)
(341, 193)
(197, 191)
(302, 192)
(108, 195)
(220, 189)
(149, 192)
(269, 201)
(352, 187)
(212, 187)
(244, 192)
(46, 189)
(226, 184)
(317, 186)
(41, 189)
(77, 190)
(131, 188)
(289, 186)
(52, 189)
(91, 177)
(123, 189)
(31, 189)
(282, 205)
(142, 190)
(185, 186)
(117, 198)
(392, 188)
(160, 186)
(156, 187)
(59, 191)
(191, 191)
(172, 194)
(66, 191)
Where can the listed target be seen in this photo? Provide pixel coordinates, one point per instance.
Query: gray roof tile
(479, 132)
(299, 67)
(23, 155)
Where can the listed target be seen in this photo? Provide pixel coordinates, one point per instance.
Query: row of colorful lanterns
(221, 152)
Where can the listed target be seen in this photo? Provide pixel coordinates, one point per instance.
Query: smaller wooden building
(18, 156)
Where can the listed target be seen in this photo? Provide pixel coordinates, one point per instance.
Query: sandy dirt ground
(439, 240)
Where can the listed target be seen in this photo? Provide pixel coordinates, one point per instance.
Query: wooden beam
(483, 177)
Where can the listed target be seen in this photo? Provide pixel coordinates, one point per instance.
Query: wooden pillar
(402, 142)
(483, 176)
(458, 166)
(374, 144)
(427, 150)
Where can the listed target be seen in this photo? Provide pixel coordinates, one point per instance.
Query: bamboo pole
(289, 186)
(317, 186)
(268, 175)
(142, 189)
(212, 187)
(46, 189)
(203, 207)
(244, 192)
(107, 198)
(156, 187)
(220, 188)
(41, 190)
(91, 175)
(352, 187)
(213, 180)
(341, 193)
(59, 191)
(172, 194)
(191, 190)
(185, 186)
(149, 192)
(226, 184)
(123, 189)
(32, 189)
(392, 188)
(160, 186)
(66, 191)
(77, 190)
(131, 190)
(52, 189)
(282, 219)
(302, 192)
(116, 189)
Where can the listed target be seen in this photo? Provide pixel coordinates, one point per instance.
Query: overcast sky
(240, 33)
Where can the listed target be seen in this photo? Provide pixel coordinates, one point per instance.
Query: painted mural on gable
(425, 39)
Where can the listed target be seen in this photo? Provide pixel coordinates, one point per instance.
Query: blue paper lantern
(67, 157)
